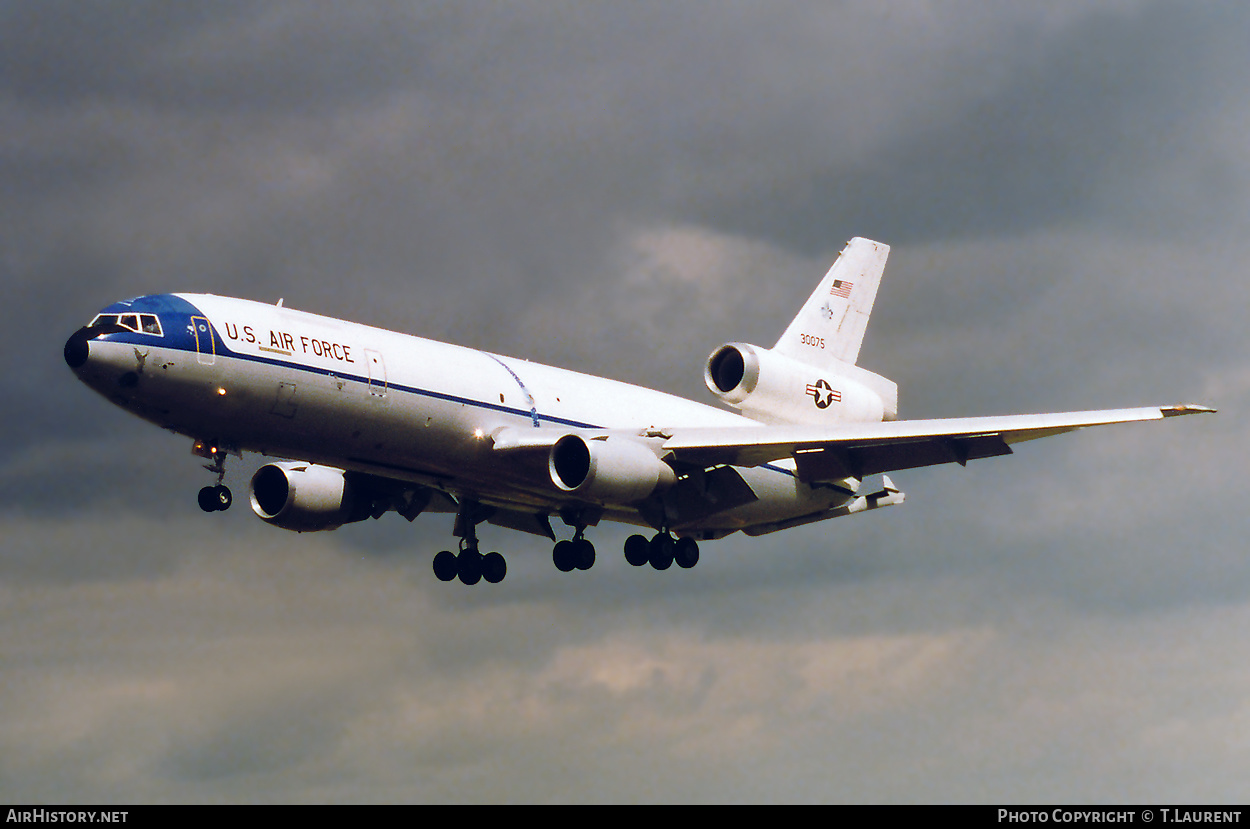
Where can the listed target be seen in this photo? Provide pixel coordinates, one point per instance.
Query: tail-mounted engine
(776, 389)
(607, 470)
(305, 497)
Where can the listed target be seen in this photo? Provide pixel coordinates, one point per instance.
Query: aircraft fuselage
(248, 376)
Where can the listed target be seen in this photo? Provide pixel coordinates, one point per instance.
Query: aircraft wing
(855, 450)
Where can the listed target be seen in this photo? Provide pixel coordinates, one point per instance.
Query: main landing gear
(470, 565)
(213, 498)
(662, 551)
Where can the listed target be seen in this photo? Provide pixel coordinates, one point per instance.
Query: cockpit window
(139, 323)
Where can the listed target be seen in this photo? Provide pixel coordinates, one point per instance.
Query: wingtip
(1184, 409)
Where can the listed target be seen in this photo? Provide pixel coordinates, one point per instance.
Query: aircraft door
(377, 373)
(205, 343)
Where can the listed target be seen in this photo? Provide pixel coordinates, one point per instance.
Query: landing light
(221, 392)
(477, 433)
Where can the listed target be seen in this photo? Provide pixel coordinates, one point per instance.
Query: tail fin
(830, 327)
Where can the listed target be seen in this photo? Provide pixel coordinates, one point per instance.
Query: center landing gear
(578, 554)
(662, 551)
(469, 565)
(213, 498)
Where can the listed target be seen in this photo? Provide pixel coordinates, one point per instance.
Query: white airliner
(372, 421)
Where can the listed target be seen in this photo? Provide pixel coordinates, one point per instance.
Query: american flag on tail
(842, 288)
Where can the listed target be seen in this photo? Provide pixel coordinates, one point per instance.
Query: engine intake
(732, 372)
(305, 497)
(607, 470)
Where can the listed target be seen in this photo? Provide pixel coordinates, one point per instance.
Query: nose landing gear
(215, 498)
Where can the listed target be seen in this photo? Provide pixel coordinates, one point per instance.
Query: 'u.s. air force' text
(1119, 816)
(284, 342)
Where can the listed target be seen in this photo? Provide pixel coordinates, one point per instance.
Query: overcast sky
(619, 188)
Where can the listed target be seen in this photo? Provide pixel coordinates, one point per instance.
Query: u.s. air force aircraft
(372, 420)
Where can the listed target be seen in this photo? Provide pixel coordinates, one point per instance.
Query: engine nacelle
(607, 470)
(305, 497)
(776, 389)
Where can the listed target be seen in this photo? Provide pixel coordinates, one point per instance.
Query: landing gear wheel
(469, 566)
(686, 553)
(494, 568)
(563, 556)
(445, 565)
(215, 498)
(660, 551)
(636, 550)
(583, 554)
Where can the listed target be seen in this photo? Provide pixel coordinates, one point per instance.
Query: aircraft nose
(76, 348)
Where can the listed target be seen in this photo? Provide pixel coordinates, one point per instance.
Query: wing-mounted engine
(607, 470)
(305, 497)
(773, 388)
